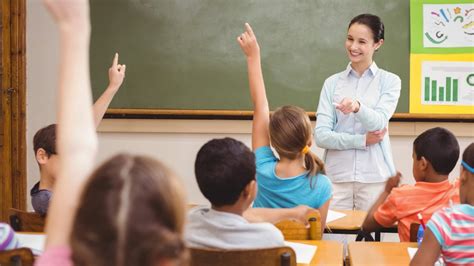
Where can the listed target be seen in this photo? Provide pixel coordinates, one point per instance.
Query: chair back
(292, 230)
(17, 257)
(414, 232)
(26, 221)
(281, 256)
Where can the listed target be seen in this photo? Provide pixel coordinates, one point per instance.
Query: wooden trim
(247, 115)
(13, 97)
(6, 113)
(18, 83)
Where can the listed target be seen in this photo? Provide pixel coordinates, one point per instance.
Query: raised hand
(248, 42)
(70, 15)
(116, 73)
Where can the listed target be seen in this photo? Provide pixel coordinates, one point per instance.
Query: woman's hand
(374, 137)
(347, 106)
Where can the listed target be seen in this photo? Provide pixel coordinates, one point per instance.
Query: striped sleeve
(439, 226)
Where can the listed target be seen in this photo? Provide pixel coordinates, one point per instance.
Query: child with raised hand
(297, 178)
(450, 232)
(44, 142)
(93, 215)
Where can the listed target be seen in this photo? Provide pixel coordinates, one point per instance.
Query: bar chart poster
(442, 84)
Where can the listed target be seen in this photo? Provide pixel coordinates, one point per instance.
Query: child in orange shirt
(435, 153)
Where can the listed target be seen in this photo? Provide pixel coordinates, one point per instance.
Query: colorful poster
(446, 26)
(442, 84)
(442, 56)
(441, 26)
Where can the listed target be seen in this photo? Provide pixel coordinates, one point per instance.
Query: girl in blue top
(297, 178)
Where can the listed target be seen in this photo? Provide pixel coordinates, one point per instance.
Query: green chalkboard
(183, 54)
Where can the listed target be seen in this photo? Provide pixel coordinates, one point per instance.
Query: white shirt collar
(373, 69)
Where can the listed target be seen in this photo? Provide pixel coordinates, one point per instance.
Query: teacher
(352, 119)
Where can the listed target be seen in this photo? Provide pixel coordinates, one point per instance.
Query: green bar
(427, 89)
(455, 90)
(433, 90)
(448, 89)
(441, 94)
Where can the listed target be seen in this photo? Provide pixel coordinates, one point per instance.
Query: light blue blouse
(347, 157)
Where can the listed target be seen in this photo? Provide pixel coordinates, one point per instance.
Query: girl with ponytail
(130, 210)
(297, 177)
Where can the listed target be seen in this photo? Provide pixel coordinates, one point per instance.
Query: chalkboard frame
(115, 113)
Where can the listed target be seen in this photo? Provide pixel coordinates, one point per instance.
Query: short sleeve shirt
(276, 192)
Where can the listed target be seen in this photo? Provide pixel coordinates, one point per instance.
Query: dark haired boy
(435, 153)
(225, 172)
(44, 142)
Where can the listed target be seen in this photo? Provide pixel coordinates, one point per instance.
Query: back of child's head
(223, 168)
(131, 213)
(438, 146)
(45, 139)
(468, 159)
(290, 134)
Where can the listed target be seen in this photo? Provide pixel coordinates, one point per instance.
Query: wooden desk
(329, 252)
(351, 222)
(380, 253)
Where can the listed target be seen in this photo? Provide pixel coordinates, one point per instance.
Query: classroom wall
(175, 142)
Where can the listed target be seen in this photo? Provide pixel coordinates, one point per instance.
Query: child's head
(44, 146)
(291, 134)
(131, 213)
(225, 172)
(467, 174)
(435, 150)
(365, 35)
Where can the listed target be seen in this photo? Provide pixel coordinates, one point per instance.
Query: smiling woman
(352, 119)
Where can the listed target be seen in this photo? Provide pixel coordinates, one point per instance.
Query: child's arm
(116, 76)
(323, 212)
(429, 250)
(370, 224)
(261, 113)
(77, 139)
(270, 215)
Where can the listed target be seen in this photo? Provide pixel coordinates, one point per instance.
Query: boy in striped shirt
(450, 232)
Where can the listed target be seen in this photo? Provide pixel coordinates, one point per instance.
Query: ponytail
(314, 165)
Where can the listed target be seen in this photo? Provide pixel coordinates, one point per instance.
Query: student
(130, 210)
(435, 153)
(297, 178)
(44, 142)
(8, 239)
(352, 119)
(225, 173)
(450, 232)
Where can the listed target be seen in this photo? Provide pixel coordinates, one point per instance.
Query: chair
(281, 256)
(26, 221)
(292, 230)
(414, 232)
(17, 257)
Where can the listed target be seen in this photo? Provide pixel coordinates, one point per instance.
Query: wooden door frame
(13, 178)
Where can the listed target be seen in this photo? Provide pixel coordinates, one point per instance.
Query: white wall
(175, 142)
